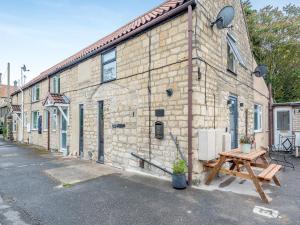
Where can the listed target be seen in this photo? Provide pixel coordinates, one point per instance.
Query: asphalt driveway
(29, 196)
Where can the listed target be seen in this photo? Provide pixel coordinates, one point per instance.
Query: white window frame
(37, 120)
(46, 120)
(56, 84)
(14, 127)
(259, 110)
(34, 92)
(54, 120)
(106, 62)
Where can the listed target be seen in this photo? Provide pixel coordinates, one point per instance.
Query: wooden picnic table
(239, 160)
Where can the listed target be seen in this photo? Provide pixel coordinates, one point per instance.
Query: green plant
(4, 132)
(246, 139)
(179, 167)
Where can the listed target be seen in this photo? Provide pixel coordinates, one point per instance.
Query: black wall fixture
(159, 112)
(159, 130)
(169, 92)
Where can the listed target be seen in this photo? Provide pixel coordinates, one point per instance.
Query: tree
(275, 39)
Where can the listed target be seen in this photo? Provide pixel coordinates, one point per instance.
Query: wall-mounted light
(169, 92)
(241, 104)
(230, 102)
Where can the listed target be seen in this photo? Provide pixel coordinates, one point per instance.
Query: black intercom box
(159, 130)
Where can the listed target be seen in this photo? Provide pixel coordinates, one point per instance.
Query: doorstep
(80, 171)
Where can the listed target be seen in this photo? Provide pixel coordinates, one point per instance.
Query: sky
(41, 33)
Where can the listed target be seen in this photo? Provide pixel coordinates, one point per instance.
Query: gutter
(139, 30)
(190, 95)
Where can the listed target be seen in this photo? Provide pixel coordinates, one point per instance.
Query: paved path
(29, 196)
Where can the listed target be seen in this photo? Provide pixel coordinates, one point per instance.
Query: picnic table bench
(256, 158)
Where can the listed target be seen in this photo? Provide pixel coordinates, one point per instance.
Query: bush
(179, 167)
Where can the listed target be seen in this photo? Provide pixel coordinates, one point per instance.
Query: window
(230, 59)
(46, 113)
(56, 84)
(257, 118)
(35, 93)
(109, 66)
(35, 119)
(233, 54)
(54, 119)
(283, 120)
(14, 125)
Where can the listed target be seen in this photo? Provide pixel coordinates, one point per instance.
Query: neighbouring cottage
(166, 72)
(286, 122)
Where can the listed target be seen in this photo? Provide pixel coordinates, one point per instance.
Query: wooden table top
(237, 154)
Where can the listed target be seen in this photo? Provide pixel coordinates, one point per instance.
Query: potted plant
(178, 177)
(246, 142)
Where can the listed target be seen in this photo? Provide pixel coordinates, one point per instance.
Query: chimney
(15, 85)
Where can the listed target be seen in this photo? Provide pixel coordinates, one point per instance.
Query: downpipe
(190, 94)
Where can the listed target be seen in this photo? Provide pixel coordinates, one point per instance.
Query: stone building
(168, 70)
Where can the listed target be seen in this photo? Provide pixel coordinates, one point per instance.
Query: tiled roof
(3, 90)
(136, 25)
(16, 108)
(56, 99)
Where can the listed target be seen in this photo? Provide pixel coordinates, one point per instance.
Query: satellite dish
(224, 17)
(261, 71)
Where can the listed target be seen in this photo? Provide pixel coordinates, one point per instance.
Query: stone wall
(137, 92)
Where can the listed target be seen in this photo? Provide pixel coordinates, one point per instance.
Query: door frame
(236, 118)
(81, 151)
(100, 147)
(276, 131)
(61, 131)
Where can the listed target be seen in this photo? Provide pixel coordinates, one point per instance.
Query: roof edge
(132, 34)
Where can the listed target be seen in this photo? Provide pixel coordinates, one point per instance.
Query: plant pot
(179, 181)
(246, 148)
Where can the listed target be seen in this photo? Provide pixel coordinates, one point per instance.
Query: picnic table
(248, 161)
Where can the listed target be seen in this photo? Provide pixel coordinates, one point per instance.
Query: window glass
(56, 84)
(46, 119)
(257, 118)
(109, 56)
(14, 125)
(35, 92)
(109, 66)
(54, 119)
(35, 120)
(230, 59)
(283, 120)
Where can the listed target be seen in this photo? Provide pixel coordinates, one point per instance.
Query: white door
(63, 132)
(282, 123)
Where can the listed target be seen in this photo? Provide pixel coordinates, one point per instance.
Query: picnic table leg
(215, 170)
(275, 179)
(256, 182)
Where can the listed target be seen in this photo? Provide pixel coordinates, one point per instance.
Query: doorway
(233, 121)
(81, 125)
(63, 131)
(101, 132)
(282, 124)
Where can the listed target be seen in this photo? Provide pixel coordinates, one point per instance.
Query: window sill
(36, 101)
(107, 81)
(258, 131)
(231, 72)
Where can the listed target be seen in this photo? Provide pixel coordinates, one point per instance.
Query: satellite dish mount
(224, 18)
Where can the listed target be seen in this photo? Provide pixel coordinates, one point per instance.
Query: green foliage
(179, 167)
(247, 139)
(4, 131)
(275, 38)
